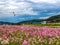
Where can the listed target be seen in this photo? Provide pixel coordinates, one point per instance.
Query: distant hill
(51, 19)
(55, 18)
(9, 23)
(34, 21)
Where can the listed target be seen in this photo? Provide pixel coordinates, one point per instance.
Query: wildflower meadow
(29, 35)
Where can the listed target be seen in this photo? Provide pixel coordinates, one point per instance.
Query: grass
(49, 25)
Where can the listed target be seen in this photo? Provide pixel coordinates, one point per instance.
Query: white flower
(5, 42)
(0, 39)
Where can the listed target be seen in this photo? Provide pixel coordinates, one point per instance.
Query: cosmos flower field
(29, 35)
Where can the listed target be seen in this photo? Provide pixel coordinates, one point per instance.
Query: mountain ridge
(52, 19)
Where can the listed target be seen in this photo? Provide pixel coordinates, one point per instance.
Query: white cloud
(22, 18)
(9, 6)
(24, 7)
(43, 17)
(46, 1)
(53, 13)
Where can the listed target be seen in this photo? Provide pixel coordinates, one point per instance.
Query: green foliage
(54, 19)
(15, 43)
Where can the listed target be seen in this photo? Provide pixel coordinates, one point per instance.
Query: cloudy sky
(28, 9)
